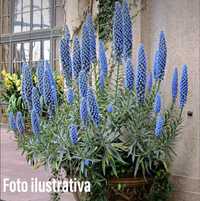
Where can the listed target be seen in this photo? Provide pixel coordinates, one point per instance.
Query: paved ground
(14, 166)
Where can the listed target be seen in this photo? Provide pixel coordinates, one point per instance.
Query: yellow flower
(3, 73)
(18, 83)
(7, 83)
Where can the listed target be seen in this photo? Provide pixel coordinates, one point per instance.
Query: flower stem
(117, 81)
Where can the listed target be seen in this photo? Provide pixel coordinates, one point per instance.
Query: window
(29, 37)
(40, 12)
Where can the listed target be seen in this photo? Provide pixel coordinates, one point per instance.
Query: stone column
(180, 20)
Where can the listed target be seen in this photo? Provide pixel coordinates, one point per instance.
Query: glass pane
(36, 4)
(17, 23)
(17, 52)
(59, 16)
(45, 3)
(46, 50)
(26, 22)
(25, 51)
(36, 20)
(36, 51)
(26, 5)
(18, 6)
(59, 2)
(46, 18)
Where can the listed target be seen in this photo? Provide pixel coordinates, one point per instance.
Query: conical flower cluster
(83, 83)
(129, 75)
(76, 58)
(149, 82)
(103, 65)
(183, 87)
(92, 36)
(162, 56)
(66, 57)
(157, 103)
(73, 132)
(40, 73)
(174, 85)
(159, 125)
(110, 108)
(70, 96)
(155, 66)
(85, 48)
(35, 122)
(20, 123)
(11, 121)
(93, 107)
(36, 100)
(127, 31)
(27, 85)
(141, 75)
(118, 31)
(84, 111)
(49, 90)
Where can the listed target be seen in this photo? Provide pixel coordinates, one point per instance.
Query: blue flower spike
(110, 108)
(141, 75)
(12, 121)
(20, 123)
(183, 87)
(157, 103)
(36, 100)
(70, 96)
(149, 82)
(73, 132)
(162, 56)
(84, 111)
(118, 32)
(174, 85)
(129, 75)
(159, 126)
(127, 31)
(35, 122)
(93, 107)
(85, 48)
(76, 58)
(83, 83)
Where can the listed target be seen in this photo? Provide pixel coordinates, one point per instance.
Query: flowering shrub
(100, 131)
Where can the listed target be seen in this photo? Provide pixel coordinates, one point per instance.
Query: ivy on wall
(104, 18)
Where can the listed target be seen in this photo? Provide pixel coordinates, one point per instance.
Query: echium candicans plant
(125, 129)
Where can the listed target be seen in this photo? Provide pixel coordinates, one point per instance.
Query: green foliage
(161, 187)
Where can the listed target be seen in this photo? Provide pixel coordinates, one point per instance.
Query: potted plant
(117, 135)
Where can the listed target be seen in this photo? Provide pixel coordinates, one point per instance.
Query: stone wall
(180, 20)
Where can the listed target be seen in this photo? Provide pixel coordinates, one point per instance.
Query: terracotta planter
(133, 189)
